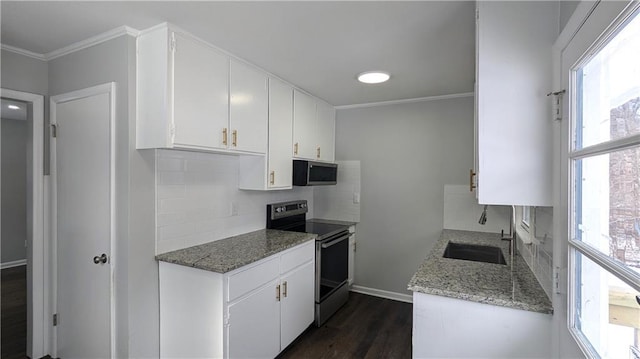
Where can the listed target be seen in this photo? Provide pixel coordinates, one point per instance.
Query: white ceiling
(427, 46)
(7, 113)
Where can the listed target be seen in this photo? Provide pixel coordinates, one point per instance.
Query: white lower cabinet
(251, 312)
(295, 312)
(254, 325)
(446, 327)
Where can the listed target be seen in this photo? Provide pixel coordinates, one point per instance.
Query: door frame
(108, 88)
(36, 211)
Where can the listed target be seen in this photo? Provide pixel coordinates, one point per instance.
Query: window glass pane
(608, 91)
(606, 204)
(606, 311)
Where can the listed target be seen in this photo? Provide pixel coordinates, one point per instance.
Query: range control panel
(286, 209)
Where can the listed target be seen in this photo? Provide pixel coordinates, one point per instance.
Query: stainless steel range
(332, 254)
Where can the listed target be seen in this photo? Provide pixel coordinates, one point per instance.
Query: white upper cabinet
(304, 123)
(275, 171)
(248, 108)
(326, 129)
(194, 96)
(280, 134)
(183, 92)
(200, 93)
(513, 119)
(313, 128)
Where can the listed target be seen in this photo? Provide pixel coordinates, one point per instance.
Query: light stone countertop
(512, 285)
(227, 254)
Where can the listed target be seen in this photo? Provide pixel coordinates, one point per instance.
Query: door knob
(101, 259)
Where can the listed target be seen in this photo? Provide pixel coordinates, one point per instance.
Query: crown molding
(106, 36)
(405, 101)
(23, 52)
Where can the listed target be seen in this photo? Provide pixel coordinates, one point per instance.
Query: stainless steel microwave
(310, 173)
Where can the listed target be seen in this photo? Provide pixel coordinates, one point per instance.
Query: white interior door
(83, 192)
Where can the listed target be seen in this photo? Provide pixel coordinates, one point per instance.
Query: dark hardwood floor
(13, 317)
(366, 327)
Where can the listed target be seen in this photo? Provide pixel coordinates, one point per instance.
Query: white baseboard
(21, 262)
(382, 293)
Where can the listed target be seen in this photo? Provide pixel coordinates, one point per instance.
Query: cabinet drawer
(252, 278)
(297, 256)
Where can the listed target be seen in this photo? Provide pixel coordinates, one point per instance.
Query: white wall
(408, 152)
(195, 193)
(136, 272)
(14, 190)
(566, 10)
(21, 73)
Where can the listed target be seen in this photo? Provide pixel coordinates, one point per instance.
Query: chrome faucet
(483, 216)
(511, 237)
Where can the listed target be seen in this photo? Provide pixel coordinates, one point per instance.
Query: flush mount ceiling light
(373, 77)
(13, 107)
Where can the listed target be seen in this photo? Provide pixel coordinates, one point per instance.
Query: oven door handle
(335, 241)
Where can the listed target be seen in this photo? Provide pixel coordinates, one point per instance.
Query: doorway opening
(22, 260)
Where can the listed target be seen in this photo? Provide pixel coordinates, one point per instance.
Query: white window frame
(619, 270)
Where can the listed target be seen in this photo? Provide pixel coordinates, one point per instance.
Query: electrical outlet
(234, 208)
(356, 197)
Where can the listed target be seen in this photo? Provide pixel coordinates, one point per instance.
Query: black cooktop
(323, 230)
(291, 216)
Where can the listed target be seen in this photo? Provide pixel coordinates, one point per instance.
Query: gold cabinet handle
(472, 186)
(278, 292)
(284, 289)
(295, 149)
(318, 152)
(235, 138)
(224, 136)
(272, 180)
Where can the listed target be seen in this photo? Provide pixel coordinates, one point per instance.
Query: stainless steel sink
(472, 252)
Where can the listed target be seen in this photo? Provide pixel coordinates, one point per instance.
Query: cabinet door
(280, 134)
(297, 302)
(326, 123)
(248, 108)
(515, 133)
(254, 325)
(200, 93)
(304, 120)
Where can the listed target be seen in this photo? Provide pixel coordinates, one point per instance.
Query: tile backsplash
(198, 200)
(342, 201)
(536, 245)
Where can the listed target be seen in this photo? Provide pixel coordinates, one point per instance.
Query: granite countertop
(227, 254)
(512, 285)
(331, 221)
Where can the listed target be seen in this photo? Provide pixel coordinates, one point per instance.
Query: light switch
(356, 197)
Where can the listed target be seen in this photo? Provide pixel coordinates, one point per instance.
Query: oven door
(332, 264)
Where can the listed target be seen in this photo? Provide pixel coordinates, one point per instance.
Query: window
(605, 195)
